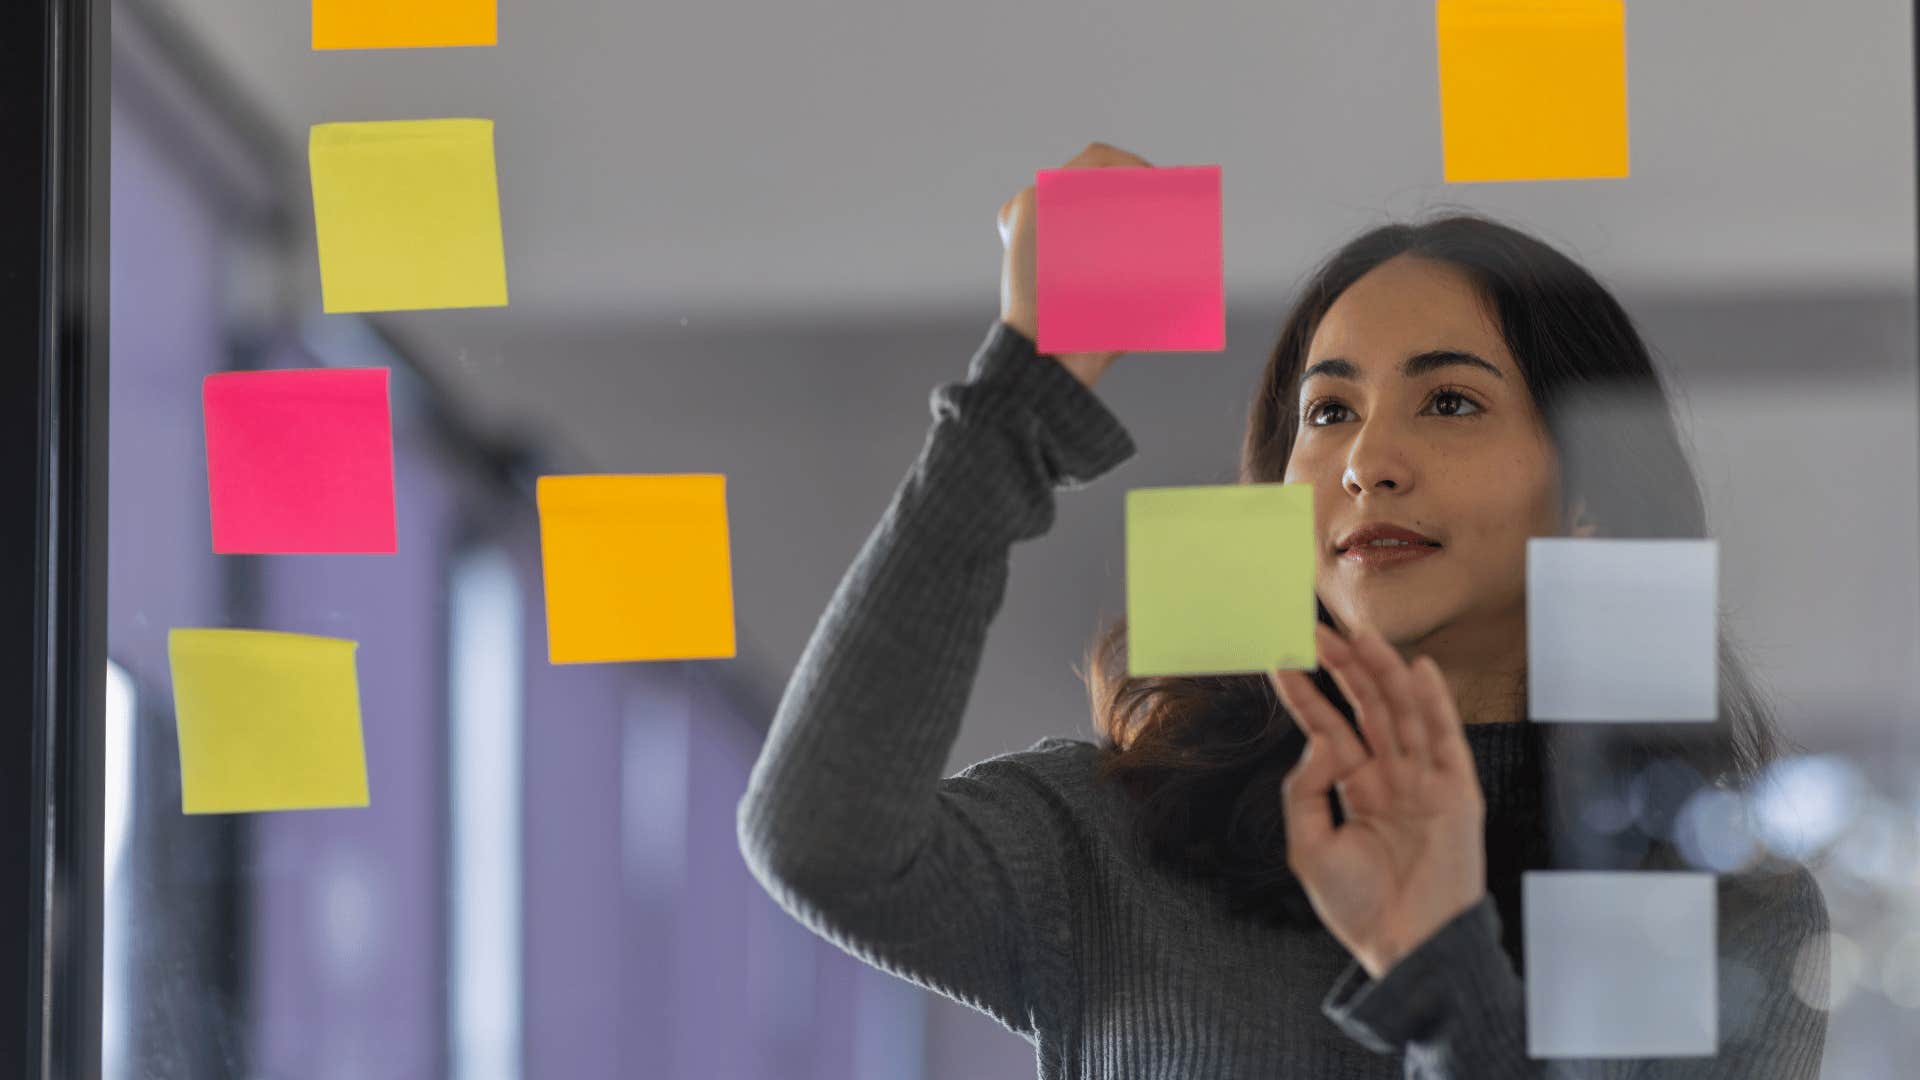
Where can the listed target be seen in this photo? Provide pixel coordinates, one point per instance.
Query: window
(484, 733)
(116, 989)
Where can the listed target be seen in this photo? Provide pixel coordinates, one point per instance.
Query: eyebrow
(1412, 367)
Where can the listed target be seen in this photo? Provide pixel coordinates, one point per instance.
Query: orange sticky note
(403, 24)
(1533, 89)
(636, 567)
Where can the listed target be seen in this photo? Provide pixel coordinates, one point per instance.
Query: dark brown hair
(1203, 756)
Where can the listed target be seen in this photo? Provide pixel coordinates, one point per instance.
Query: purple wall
(348, 943)
(165, 335)
(574, 900)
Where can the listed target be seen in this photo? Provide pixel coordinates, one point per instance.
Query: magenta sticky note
(300, 462)
(1129, 259)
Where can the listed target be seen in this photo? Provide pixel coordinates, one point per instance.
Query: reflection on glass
(118, 819)
(484, 897)
(653, 787)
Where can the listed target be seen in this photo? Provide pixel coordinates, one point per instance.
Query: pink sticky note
(300, 462)
(1129, 259)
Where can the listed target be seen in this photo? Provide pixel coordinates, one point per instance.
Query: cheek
(1296, 471)
(1532, 494)
(1499, 508)
(1303, 469)
(1309, 464)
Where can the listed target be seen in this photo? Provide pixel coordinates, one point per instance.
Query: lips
(1381, 530)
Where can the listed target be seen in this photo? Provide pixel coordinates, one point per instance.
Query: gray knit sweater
(1014, 888)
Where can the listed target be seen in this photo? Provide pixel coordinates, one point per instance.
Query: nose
(1377, 463)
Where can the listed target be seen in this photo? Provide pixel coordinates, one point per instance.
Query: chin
(1399, 623)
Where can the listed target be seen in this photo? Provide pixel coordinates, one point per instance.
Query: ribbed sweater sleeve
(1457, 1009)
(958, 884)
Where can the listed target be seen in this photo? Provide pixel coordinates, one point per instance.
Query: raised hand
(1410, 853)
(1017, 278)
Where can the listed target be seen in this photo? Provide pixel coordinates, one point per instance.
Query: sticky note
(1220, 579)
(1622, 630)
(1129, 259)
(300, 462)
(1620, 964)
(1533, 89)
(636, 567)
(407, 215)
(267, 721)
(413, 24)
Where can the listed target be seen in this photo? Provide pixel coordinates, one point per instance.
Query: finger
(1363, 693)
(1447, 734)
(1306, 815)
(1317, 717)
(1363, 792)
(1359, 785)
(1101, 155)
(1013, 209)
(1403, 694)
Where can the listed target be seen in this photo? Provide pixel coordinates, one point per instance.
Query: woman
(1278, 876)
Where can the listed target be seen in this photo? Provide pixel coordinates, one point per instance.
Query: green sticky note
(1220, 579)
(268, 721)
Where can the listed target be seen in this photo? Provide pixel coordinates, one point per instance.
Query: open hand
(1410, 854)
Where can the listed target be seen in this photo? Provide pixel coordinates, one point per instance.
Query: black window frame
(53, 431)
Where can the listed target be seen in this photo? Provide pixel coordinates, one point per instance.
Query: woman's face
(1413, 414)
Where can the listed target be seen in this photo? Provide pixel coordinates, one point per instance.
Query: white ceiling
(672, 158)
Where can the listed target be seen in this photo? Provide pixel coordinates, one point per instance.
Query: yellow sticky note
(412, 24)
(267, 721)
(1220, 579)
(407, 215)
(1533, 89)
(636, 567)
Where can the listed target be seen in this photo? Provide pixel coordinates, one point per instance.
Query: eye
(1445, 402)
(1316, 409)
(1450, 402)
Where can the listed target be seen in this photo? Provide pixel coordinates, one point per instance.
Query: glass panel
(544, 881)
(750, 243)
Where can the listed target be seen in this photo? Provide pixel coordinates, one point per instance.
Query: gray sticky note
(1620, 964)
(1622, 630)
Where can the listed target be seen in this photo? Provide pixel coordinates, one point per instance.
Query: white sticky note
(1620, 964)
(1623, 630)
